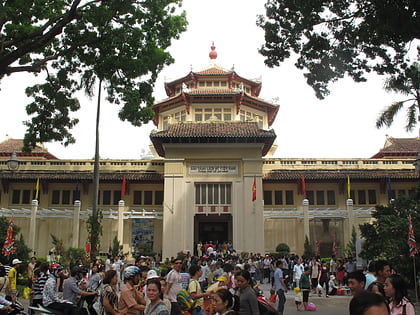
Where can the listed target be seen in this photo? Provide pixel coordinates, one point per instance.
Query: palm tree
(406, 83)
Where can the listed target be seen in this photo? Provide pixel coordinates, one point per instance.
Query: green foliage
(334, 39)
(408, 84)
(72, 254)
(58, 244)
(21, 249)
(116, 247)
(77, 43)
(350, 249)
(308, 249)
(144, 249)
(386, 237)
(282, 249)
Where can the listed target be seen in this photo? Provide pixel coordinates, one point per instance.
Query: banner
(9, 242)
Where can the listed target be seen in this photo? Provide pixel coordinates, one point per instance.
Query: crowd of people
(215, 284)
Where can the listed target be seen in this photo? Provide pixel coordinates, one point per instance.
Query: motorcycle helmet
(55, 269)
(130, 272)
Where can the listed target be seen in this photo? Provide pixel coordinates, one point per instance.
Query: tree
(337, 38)
(386, 237)
(65, 39)
(283, 249)
(21, 249)
(308, 249)
(408, 84)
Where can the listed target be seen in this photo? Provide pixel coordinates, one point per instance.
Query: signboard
(214, 169)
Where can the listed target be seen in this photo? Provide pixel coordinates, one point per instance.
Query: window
(289, 197)
(137, 197)
(310, 196)
(117, 196)
(213, 194)
(330, 197)
(278, 197)
(320, 200)
(174, 118)
(106, 197)
(372, 196)
(219, 113)
(268, 199)
(148, 197)
(26, 196)
(55, 198)
(66, 197)
(361, 194)
(250, 116)
(16, 196)
(159, 197)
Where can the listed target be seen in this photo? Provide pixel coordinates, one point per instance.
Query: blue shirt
(278, 274)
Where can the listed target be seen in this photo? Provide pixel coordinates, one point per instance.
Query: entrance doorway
(212, 228)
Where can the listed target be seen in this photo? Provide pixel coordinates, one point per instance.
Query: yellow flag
(37, 188)
(348, 187)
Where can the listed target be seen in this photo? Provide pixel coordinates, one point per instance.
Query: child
(298, 299)
(273, 296)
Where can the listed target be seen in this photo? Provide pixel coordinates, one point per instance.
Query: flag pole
(415, 278)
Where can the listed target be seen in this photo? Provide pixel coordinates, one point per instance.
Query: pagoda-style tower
(212, 133)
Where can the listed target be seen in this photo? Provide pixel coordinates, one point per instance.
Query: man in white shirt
(297, 273)
(173, 286)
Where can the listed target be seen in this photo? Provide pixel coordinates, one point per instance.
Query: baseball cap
(16, 261)
(151, 274)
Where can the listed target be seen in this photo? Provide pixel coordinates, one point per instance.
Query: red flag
(123, 187)
(303, 185)
(87, 248)
(411, 237)
(318, 247)
(9, 242)
(254, 190)
(334, 247)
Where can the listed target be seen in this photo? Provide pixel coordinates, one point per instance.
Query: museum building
(212, 177)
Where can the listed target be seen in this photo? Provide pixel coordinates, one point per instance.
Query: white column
(349, 204)
(306, 231)
(32, 224)
(120, 228)
(76, 220)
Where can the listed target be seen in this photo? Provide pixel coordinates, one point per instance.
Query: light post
(13, 162)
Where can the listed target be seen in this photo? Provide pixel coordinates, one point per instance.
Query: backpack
(185, 300)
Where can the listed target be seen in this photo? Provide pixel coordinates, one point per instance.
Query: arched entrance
(213, 228)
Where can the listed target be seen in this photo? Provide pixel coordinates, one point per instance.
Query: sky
(341, 126)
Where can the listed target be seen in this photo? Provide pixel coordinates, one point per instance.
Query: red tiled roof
(296, 175)
(399, 147)
(213, 70)
(15, 145)
(213, 132)
(75, 176)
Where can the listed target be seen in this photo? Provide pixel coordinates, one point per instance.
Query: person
(305, 286)
(332, 285)
(297, 272)
(383, 270)
(50, 298)
(154, 294)
(396, 291)
(3, 281)
(93, 285)
(40, 277)
(248, 304)
(71, 289)
(173, 286)
(333, 266)
(131, 300)
(298, 299)
(368, 303)
(356, 281)
(315, 270)
(12, 279)
(225, 303)
(220, 283)
(377, 287)
(109, 296)
(280, 286)
(194, 288)
(30, 270)
(370, 274)
(5, 306)
(266, 268)
(323, 278)
(341, 271)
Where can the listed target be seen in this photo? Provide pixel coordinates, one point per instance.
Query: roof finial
(213, 53)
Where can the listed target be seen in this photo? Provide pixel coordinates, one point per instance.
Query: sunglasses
(178, 263)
